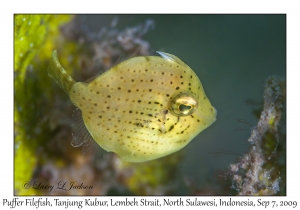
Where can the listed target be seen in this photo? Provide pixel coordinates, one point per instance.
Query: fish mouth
(209, 118)
(215, 111)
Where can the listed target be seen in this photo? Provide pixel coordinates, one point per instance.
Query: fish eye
(183, 104)
(184, 108)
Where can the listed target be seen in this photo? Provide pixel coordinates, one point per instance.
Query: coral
(258, 172)
(109, 45)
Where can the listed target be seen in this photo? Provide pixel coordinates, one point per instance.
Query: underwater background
(233, 55)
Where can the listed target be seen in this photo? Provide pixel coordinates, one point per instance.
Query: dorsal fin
(60, 76)
(170, 57)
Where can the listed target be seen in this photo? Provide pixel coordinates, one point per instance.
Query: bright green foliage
(33, 35)
(29, 34)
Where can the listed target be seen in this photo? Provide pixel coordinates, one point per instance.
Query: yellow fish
(143, 108)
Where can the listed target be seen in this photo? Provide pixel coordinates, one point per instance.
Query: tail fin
(60, 76)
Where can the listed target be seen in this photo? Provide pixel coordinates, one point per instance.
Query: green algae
(33, 35)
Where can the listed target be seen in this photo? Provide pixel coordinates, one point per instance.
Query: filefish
(141, 109)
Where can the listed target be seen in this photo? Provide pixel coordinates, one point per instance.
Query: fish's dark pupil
(183, 107)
